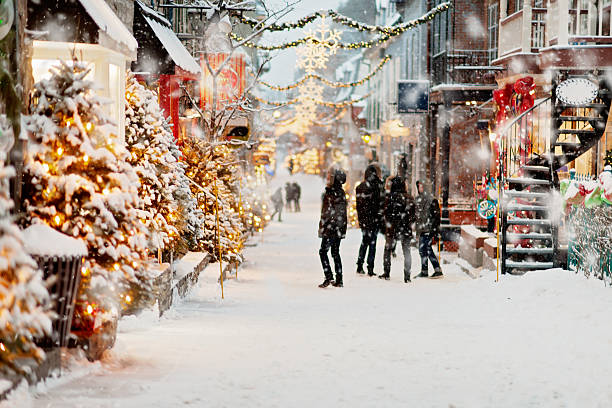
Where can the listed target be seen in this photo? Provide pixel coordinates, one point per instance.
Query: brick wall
(470, 25)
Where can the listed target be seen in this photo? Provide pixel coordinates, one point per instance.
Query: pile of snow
(42, 240)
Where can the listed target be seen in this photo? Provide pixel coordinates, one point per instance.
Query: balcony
(565, 23)
(469, 67)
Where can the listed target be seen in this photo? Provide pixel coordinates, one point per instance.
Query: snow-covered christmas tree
(78, 180)
(171, 210)
(24, 300)
(214, 170)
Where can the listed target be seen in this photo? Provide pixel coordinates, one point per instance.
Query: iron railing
(526, 138)
(463, 67)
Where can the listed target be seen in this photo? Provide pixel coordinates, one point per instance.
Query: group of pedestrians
(391, 211)
(293, 192)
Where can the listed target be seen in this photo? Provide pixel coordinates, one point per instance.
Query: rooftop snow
(108, 22)
(42, 240)
(173, 45)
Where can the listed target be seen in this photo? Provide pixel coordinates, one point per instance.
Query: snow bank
(42, 240)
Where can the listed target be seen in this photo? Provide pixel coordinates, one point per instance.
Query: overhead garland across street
(347, 21)
(327, 81)
(323, 103)
(385, 32)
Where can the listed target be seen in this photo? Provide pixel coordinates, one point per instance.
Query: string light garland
(327, 82)
(318, 102)
(385, 32)
(347, 21)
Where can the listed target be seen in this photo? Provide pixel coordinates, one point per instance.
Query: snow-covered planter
(589, 205)
(590, 245)
(60, 257)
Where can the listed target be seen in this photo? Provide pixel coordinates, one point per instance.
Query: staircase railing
(525, 138)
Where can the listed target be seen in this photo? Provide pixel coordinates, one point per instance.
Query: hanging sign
(577, 91)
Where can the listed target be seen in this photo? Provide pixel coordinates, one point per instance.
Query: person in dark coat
(427, 225)
(297, 193)
(332, 227)
(277, 201)
(369, 203)
(399, 217)
(289, 195)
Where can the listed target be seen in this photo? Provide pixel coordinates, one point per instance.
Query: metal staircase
(534, 146)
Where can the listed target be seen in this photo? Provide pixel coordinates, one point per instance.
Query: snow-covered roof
(109, 23)
(173, 45)
(42, 240)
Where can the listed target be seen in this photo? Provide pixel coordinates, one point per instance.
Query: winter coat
(297, 191)
(370, 200)
(398, 210)
(277, 198)
(289, 192)
(333, 211)
(427, 213)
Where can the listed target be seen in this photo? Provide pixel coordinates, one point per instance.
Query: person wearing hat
(399, 216)
(332, 227)
(369, 203)
(427, 226)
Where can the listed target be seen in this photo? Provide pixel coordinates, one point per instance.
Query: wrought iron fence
(463, 67)
(64, 275)
(527, 139)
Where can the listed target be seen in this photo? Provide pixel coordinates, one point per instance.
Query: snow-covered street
(277, 340)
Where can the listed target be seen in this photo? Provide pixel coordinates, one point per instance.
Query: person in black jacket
(332, 227)
(297, 193)
(399, 217)
(369, 214)
(427, 225)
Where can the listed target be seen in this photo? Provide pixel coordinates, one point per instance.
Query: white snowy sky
(282, 65)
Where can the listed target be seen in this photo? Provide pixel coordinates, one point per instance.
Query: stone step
(529, 265)
(530, 251)
(526, 180)
(526, 194)
(522, 207)
(528, 221)
(530, 235)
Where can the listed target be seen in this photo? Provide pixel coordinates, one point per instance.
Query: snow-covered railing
(526, 137)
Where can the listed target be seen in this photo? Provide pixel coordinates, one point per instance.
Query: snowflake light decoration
(325, 36)
(311, 89)
(320, 45)
(312, 57)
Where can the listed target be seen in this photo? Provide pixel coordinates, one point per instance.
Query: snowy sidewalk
(277, 340)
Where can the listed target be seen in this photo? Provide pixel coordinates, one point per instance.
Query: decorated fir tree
(78, 180)
(24, 300)
(172, 214)
(214, 171)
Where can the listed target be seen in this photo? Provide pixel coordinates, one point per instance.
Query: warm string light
(349, 22)
(385, 33)
(327, 82)
(323, 103)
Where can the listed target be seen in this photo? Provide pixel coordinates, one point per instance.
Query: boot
(325, 283)
(423, 274)
(407, 278)
(384, 276)
(360, 270)
(437, 274)
(371, 272)
(337, 284)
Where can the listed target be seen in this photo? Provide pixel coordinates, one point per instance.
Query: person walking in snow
(427, 225)
(277, 201)
(369, 203)
(332, 227)
(399, 217)
(297, 193)
(289, 195)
